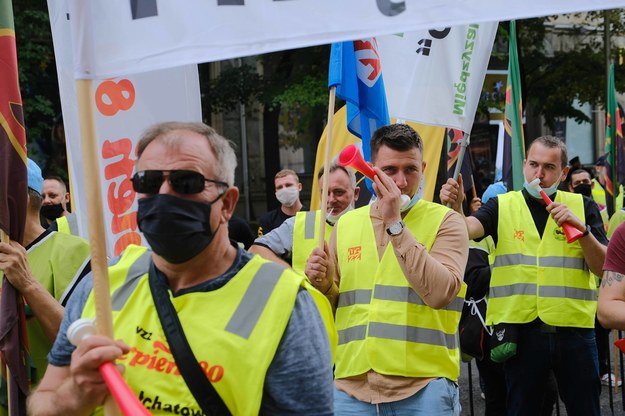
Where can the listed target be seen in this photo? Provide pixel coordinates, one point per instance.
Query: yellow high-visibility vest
(383, 324)
(233, 342)
(536, 277)
(306, 237)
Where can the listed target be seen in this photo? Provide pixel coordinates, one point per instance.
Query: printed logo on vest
(558, 234)
(500, 334)
(354, 253)
(155, 403)
(519, 235)
(162, 361)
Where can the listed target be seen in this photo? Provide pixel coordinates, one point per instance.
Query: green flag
(514, 143)
(613, 139)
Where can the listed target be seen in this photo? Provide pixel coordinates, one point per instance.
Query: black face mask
(177, 229)
(52, 212)
(584, 189)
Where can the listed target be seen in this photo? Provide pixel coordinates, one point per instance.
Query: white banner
(119, 37)
(436, 76)
(125, 106)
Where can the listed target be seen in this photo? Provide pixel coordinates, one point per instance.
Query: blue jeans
(571, 353)
(438, 398)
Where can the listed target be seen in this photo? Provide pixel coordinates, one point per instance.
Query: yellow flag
(433, 138)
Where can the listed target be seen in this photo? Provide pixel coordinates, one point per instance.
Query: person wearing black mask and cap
(581, 183)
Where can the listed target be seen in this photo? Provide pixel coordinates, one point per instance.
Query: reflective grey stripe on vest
(254, 300)
(72, 221)
(398, 333)
(511, 290)
(354, 333)
(567, 292)
(353, 297)
(547, 261)
(309, 225)
(136, 270)
(407, 294)
(412, 334)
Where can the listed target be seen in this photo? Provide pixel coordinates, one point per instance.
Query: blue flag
(356, 72)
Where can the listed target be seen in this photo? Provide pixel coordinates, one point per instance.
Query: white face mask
(533, 192)
(333, 218)
(287, 196)
(407, 202)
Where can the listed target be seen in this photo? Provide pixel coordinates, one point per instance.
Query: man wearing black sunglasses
(255, 329)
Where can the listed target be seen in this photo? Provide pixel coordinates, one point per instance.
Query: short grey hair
(222, 147)
(334, 166)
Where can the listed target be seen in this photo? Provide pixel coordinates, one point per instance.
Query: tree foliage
(553, 79)
(37, 70)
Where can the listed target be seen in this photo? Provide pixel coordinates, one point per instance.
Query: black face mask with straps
(52, 212)
(177, 229)
(584, 189)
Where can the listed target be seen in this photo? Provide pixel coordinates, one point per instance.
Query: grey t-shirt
(279, 240)
(299, 379)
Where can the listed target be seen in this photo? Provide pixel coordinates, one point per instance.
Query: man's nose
(166, 187)
(400, 180)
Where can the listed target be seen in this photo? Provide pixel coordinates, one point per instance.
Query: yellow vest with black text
(382, 322)
(306, 237)
(536, 277)
(234, 332)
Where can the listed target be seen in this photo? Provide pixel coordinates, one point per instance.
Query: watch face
(396, 228)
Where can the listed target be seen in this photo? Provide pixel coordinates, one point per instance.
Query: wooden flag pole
(473, 185)
(4, 370)
(463, 150)
(99, 267)
(326, 169)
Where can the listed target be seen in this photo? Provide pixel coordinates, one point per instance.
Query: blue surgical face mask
(409, 203)
(533, 192)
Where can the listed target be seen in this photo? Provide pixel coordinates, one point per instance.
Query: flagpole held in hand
(99, 266)
(326, 169)
(473, 184)
(463, 149)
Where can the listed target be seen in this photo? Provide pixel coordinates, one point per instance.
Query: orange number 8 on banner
(120, 96)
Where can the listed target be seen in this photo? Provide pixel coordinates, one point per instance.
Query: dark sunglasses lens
(186, 182)
(147, 181)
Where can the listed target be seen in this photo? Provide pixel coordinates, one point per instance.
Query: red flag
(13, 189)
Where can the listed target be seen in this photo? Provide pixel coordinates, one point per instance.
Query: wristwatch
(395, 228)
(586, 231)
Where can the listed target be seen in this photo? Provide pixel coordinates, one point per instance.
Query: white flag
(119, 37)
(124, 107)
(436, 76)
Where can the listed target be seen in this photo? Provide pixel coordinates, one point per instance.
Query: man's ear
(229, 202)
(356, 193)
(565, 172)
(299, 186)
